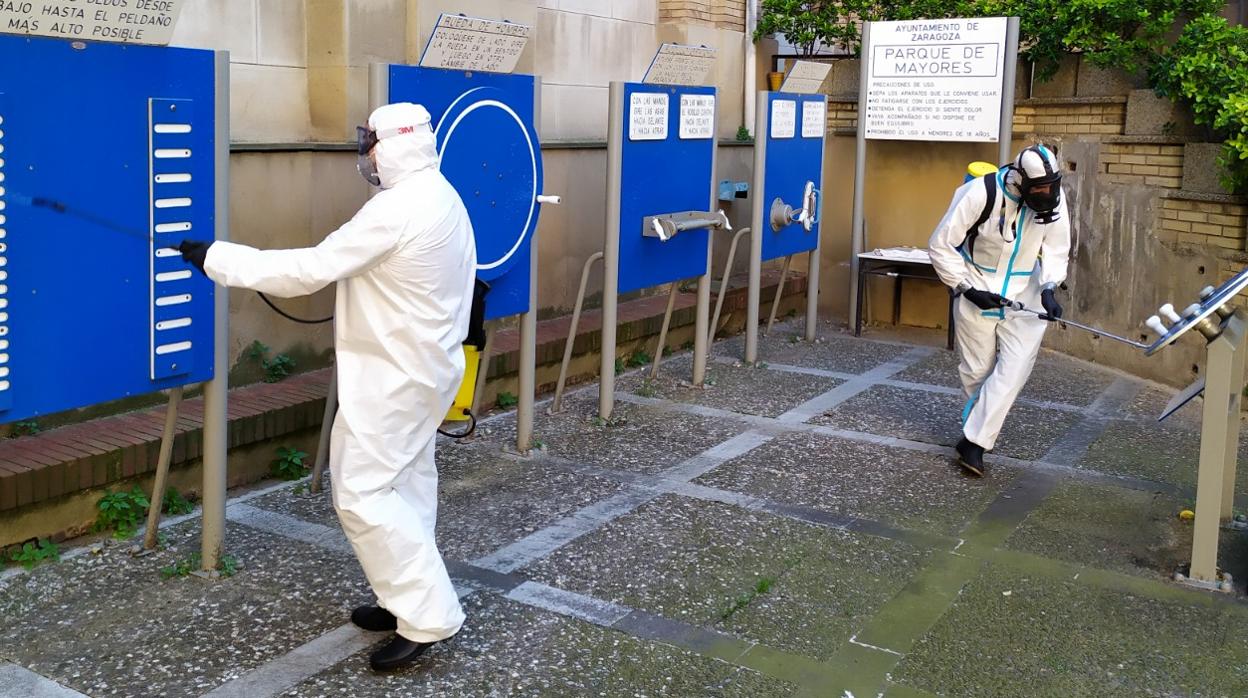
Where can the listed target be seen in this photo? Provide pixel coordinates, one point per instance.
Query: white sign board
(647, 116)
(935, 80)
(806, 77)
(114, 21)
(479, 45)
(783, 118)
(675, 64)
(813, 114)
(697, 117)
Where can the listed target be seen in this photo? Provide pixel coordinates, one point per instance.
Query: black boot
(374, 618)
(971, 457)
(398, 653)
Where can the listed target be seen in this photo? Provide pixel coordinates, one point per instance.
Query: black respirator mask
(1043, 193)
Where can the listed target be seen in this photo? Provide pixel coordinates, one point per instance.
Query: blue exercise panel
(490, 153)
(107, 158)
(794, 157)
(662, 173)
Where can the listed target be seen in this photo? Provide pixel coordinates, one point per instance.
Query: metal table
(899, 267)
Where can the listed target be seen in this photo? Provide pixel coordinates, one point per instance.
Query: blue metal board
(491, 154)
(80, 290)
(790, 163)
(663, 176)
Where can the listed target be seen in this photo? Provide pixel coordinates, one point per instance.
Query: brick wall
(1070, 118)
(842, 115)
(721, 14)
(1213, 224)
(1138, 163)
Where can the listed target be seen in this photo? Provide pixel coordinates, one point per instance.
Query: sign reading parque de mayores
(935, 80)
(115, 21)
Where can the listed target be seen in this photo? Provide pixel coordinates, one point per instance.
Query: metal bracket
(666, 226)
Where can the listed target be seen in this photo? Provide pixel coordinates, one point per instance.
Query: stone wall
(722, 14)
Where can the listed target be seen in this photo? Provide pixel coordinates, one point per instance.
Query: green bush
(289, 464)
(121, 512)
(1207, 69)
(32, 553)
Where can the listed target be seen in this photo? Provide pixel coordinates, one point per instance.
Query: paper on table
(913, 254)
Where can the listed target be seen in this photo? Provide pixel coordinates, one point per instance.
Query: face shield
(366, 140)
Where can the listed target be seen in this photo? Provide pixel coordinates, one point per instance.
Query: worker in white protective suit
(404, 268)
(1006, 236)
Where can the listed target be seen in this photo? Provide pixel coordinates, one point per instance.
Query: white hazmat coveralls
(404, 268)
(1014, 257)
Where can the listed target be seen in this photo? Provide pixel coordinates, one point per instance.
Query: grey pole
(327, 426)
(702, 318)
(528, 322)
(812, 271)
(611, 250)
(216, 426)
(860, 174)
(1010, 77)
(762, 129)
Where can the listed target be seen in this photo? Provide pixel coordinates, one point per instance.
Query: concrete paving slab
(108, 624)
(831, 352)
(1148, 405)
(1055, 378)
(1159, 452)
(1021, 634)
(506, 649)
(1121, 530)
(934, 418)
(636, 438)
(910, 489)
(730, 387)
(794, 586)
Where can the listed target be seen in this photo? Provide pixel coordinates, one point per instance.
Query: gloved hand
(984, 300)
(194, 252)
(1052, 309)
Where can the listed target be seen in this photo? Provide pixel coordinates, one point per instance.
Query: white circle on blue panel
(489, 157)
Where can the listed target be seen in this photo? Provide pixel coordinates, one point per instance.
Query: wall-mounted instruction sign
(806, 77)
(935, 80)
(675, 64)
(647, 116)
(813, 119)
(116, 21)
(480, 45)
(697, 116)
(783, 118)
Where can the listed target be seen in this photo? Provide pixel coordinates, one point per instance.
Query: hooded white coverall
(404, 268)
(1014, 257)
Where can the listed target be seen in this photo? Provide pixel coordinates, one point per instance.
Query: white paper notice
(697, 116)
(935, 80)
(783, 118)
(813, 119)
(647, 116)
(479, 45)
(145, 22)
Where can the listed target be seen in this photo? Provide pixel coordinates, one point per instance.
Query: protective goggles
(366, 138)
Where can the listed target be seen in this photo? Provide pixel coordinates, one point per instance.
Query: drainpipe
(750, 78)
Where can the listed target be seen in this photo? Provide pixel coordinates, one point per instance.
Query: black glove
(194, 252)
(1052, 309)
(984, 300)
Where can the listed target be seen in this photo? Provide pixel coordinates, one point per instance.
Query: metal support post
(1009, 76)
(611, 250)
(723, 283)
(557, 404)
(860, 177)
(757, 226)
(528, 359)
(162, 468)
(702, 313)
(672, 290)
(1219, 445)
(483, 371)
(216, 425)
(327, 426)
(775, 302)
